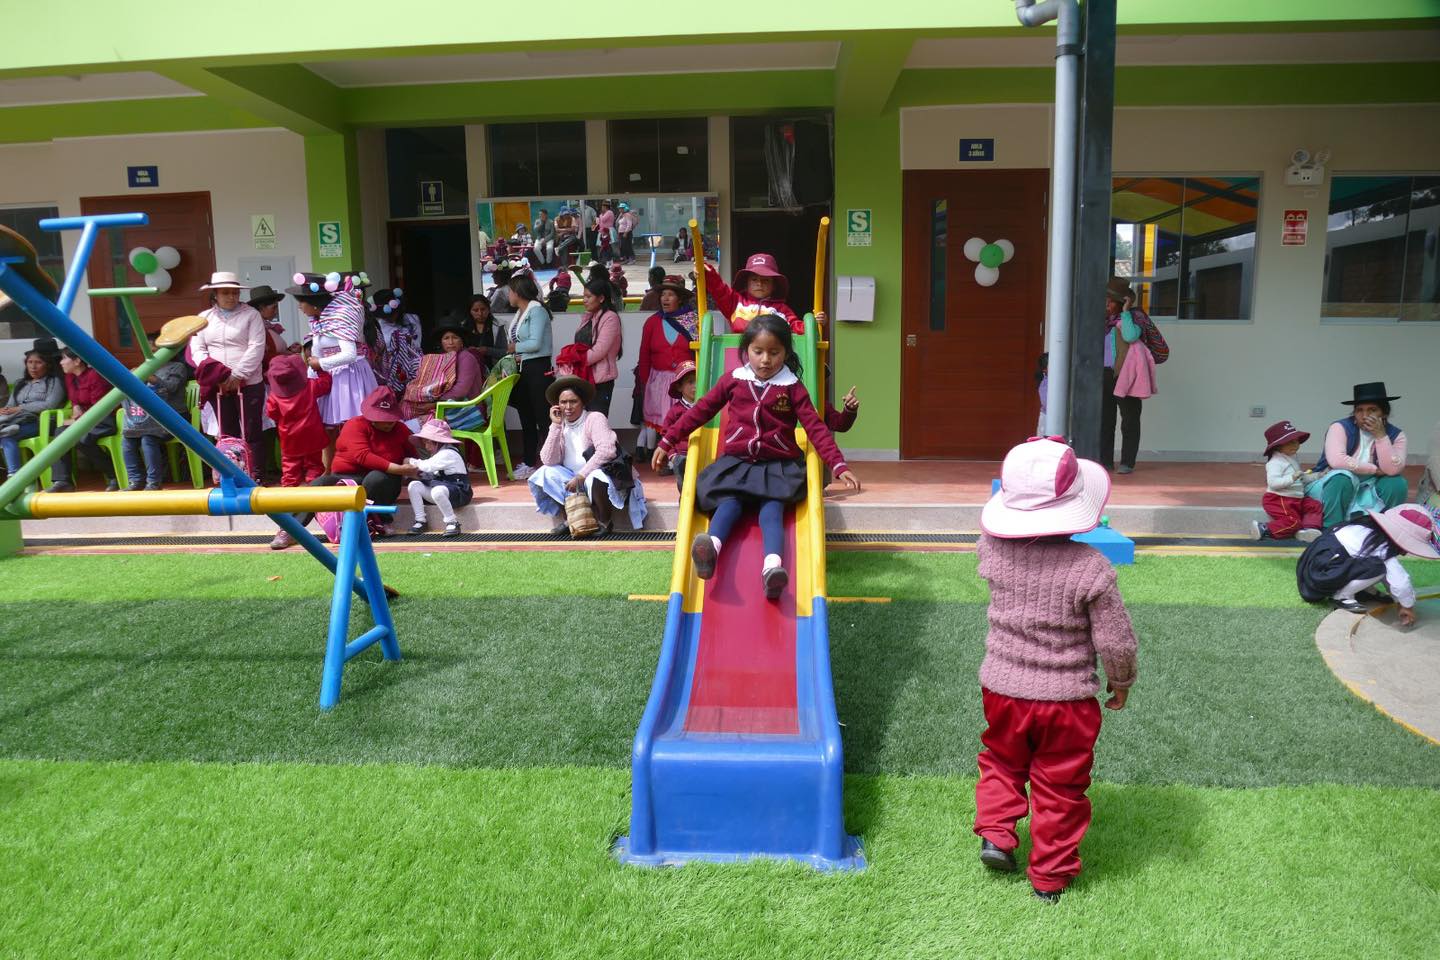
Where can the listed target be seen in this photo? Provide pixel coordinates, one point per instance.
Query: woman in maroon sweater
(760, 463)
(85, 387)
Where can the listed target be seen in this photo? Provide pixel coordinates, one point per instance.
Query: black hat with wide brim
(584, 388)
(1370, 393)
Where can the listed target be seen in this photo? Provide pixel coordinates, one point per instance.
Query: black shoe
(602, 530)
(135, 488)
(1371, 595)
(996, 858)
(1351, 606)
(704, 555)
(417, 528)
(112, 485)
(452, 529)
(60, 486)
(1049, 896)
(560, 530)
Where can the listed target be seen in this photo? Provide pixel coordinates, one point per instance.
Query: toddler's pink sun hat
(1046, 491)
(1412, 529)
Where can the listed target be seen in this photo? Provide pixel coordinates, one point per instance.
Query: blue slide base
(853, 857)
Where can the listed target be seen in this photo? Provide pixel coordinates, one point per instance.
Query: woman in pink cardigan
(600, 331)
(1364, 459)
(580, 453)
(235, 336)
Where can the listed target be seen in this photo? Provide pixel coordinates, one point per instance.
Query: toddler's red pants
(1289, 514)
(1050, 743)
(299, 471)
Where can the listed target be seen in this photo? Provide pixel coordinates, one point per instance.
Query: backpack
(1151, 337)
(330, 520)
(235, 449)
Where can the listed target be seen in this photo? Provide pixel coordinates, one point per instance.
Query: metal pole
(1059, 291)
(1094, 235)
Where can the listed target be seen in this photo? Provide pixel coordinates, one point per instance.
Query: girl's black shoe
(452, 529)
(1049, 896)
(1351, 606)
(997, 858)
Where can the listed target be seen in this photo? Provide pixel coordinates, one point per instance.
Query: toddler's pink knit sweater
(1053, 606)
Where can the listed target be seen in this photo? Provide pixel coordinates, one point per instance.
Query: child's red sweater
(677, 410)
(760, 419)
(741, 308)
(297, 418)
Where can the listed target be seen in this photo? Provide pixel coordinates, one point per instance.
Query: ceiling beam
(867, 70)
(111, 118)
(285, 94)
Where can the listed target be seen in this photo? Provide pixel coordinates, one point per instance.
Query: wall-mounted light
(1305, 170)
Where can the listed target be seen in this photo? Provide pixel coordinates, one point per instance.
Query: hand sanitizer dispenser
(855, 299)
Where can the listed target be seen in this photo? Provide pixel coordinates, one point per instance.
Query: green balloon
(144, 262)
(991, 255)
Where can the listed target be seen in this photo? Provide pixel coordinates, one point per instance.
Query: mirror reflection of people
(542, 235)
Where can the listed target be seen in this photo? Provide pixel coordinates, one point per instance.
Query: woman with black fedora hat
(41, 388)
(1363, 465)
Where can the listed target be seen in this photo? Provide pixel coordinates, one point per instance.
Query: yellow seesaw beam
(153, 503)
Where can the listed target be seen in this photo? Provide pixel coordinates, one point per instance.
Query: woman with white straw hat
(236, 338)
(1347, 561)
(1054, 606)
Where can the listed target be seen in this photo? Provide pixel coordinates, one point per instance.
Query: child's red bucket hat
(762, 265)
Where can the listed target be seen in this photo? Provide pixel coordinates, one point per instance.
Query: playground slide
(738, 753)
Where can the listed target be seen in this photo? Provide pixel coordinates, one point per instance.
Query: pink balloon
(299, 279)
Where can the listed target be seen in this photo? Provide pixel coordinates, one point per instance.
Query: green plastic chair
(494, 431)
(197, 466)
(50, 421)
(115, 446)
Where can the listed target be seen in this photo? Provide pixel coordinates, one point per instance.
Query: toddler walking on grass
(1054, 606)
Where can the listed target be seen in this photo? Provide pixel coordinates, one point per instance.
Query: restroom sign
(857, 228)
(328, 233)
(1296, 228)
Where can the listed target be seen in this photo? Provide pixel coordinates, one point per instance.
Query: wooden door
(969, 352)
(179, 220)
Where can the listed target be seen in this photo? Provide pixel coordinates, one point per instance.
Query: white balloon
(160, 279)
(1005, 245)
(986, 276)
(973, 246)
(169, 257)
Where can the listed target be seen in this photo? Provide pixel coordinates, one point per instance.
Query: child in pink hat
(444, 479)
(1349, 560)
(759, 288)
(1054, 606)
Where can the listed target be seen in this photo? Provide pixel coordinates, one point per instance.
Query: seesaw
(356, 570)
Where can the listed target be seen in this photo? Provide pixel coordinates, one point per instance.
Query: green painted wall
(867, 355)
(332, 186)
(118, 117)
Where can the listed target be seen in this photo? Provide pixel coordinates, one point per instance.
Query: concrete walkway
(1396, 669)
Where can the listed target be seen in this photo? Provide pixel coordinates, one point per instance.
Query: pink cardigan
(238, 342)
(1389, 456)
(597, 433)
(605, 351)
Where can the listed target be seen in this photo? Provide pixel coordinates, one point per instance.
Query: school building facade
(310, 140)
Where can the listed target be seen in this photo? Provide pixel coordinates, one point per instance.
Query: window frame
(492, 168)
(1329, 321)
(660, 187)
(1258, 247)
(51, 205)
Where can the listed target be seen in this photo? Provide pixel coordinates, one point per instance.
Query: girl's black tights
(772, 522)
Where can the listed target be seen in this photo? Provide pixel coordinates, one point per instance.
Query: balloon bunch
(987, 258)
(155, 265)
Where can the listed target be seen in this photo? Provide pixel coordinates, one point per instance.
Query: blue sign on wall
(143, 176)
(977, 150)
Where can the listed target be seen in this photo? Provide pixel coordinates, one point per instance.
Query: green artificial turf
(398, 861)
(1228, 695)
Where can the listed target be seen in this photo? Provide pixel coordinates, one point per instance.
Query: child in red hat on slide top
(1054, 607)
(759, 288)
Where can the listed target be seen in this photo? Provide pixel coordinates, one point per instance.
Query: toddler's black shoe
(775, 580)
(418, 527)
(1351, 606)
(704, 555)
(996, 858)
(1049, 896)
(452, 529)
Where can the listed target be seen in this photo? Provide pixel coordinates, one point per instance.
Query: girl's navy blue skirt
(460, 489)
(782, 480)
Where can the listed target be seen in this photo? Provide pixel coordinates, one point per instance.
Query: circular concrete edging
(1394, 669)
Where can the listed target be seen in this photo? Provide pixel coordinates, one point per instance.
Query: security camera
(1300, 157)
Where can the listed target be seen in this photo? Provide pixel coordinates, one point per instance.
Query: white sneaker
(1308, 535)
(522, 472)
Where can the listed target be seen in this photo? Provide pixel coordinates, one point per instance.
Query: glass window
(1187, 243)
(663, 156)
(533, 159)
(1381, 257)
(15, 324)
(781, 163)
(426, 170)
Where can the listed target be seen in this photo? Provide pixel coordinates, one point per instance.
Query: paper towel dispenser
(855, 299)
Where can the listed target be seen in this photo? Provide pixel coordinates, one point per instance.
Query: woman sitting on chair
(451, 374)
(575, 456)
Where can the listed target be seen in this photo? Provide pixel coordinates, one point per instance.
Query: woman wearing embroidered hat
(1365, 459)
(235, 338)
(1346, 562)
(1054, 606)
(444, 479)
(337, 320)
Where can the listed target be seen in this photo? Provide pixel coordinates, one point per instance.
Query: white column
(718, 137)
(477, 181)
(597, 158)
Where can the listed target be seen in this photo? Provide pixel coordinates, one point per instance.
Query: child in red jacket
(760, 464)
(682, 390)
(759, 288)
(293, 405)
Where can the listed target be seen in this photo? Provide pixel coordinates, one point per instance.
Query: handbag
(579, 515)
